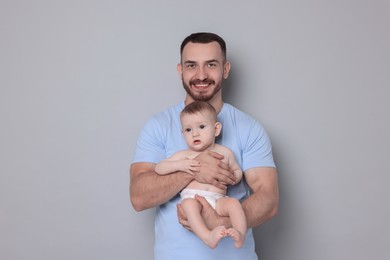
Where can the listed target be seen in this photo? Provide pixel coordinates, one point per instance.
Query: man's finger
(202, 201)
(227, 180)
(182, 218)
(180, 213)
(220, 184)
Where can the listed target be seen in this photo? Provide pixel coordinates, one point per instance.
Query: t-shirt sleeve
(150, 145)
(257, 150)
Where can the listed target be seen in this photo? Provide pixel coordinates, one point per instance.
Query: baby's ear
(218, 128)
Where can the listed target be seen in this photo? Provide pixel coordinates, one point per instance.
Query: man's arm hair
(148, 189)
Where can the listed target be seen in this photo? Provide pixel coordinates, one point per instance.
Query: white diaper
(210, 196)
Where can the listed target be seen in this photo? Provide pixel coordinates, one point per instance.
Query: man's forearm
(260, 207)
(148, 189)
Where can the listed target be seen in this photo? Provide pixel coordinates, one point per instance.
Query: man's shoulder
(171, 110)
(169, 113)
(237, 118)
(235, 112)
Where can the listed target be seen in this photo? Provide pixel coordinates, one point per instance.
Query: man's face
(202, 70)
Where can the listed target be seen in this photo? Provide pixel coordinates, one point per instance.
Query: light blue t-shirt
(160, 138)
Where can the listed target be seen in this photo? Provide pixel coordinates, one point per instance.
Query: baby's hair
(198, 107)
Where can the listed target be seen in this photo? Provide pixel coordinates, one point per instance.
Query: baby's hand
(189, 166)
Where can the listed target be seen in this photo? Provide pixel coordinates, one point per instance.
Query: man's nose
(202, 74)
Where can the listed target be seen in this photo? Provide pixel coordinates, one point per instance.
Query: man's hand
(181, 216)
(210, 216)
(213, 170)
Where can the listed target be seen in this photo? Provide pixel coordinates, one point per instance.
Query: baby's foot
(236, 235)
(215, 236)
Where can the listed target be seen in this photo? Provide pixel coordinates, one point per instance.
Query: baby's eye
(202, 126)
(187, 130)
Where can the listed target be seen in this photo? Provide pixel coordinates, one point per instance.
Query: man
(202, 68)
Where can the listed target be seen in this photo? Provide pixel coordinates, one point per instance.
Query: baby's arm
(178, 162)
(233, 165)
(236, 169)
(230, 159)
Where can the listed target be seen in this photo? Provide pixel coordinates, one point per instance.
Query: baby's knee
(233, 201)
(189, 202)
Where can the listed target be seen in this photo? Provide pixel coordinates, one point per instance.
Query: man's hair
(199, 107)
(204, 37)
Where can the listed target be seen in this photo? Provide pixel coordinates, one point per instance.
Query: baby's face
(199, 130)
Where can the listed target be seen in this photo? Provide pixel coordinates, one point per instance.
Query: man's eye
(190, 66)
(211, 65)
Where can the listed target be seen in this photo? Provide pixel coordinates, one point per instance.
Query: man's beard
(201, 97)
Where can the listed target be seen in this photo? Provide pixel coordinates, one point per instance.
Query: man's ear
(218, 128)
(226, 69)
(180, 70)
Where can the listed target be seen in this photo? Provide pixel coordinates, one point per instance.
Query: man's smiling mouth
(201, 84)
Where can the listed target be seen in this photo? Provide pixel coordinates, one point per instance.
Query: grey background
(79, 79)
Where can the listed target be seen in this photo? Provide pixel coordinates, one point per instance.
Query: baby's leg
(192, 209)
(232, 207)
